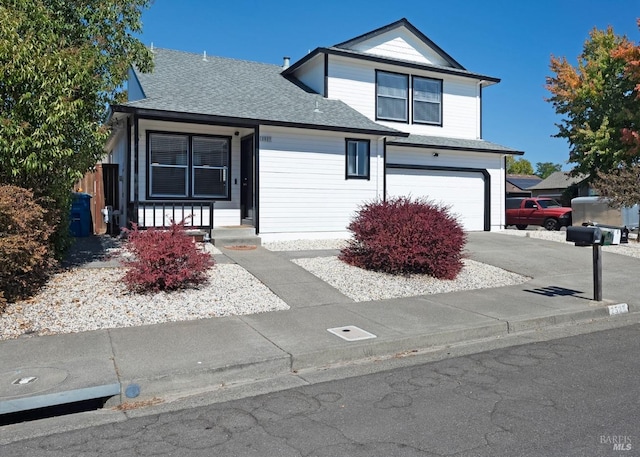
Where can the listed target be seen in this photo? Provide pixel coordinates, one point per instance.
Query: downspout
(136, 151)
(256, 179)
(384, 169)
(127, 176)
(479, 108)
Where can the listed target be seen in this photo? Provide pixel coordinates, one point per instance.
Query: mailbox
(584, 236)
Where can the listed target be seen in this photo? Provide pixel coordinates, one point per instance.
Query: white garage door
(463, 192)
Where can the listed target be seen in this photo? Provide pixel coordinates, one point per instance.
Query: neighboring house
(518, 185)
(556, 186)
(295, 150)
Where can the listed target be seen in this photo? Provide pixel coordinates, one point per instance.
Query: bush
(404, 236)
(164, 259)
(25, 257)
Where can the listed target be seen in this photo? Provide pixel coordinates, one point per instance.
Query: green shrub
(25, 257)
(404, 236)
(164, 259)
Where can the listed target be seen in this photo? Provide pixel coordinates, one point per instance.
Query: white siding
(312, 74)
(401, 44)
(354, 82)
(302, 182)
(487, 161)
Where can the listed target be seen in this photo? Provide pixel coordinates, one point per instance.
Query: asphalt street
(575, 396)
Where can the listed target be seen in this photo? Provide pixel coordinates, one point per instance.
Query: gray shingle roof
(462, 144)
(558, 180)
(184, 82)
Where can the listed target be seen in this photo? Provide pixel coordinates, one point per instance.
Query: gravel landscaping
(80, 299)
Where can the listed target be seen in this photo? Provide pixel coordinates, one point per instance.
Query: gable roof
(558, 180)
(238, 91)
(349, 44)
(347, 49)
(457, 144)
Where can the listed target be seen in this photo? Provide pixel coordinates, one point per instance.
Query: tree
(62, 62)
(598, 101)
(621, 186)
(630, 53)
(518, 167)
(544, 169)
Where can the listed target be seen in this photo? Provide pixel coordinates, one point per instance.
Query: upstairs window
(392, 100)
(427, 101)
(357, 159)
(188, 166)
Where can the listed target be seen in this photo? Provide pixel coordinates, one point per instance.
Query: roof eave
(454, 148)
(247, 122)
(484, 79)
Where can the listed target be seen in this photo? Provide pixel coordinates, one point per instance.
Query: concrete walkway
(170, 360)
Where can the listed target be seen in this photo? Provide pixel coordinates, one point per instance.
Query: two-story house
(294, 150)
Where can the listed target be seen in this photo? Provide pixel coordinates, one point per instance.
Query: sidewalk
(166, 360)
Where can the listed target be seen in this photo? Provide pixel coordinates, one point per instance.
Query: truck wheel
(521, 226)
(551, 224)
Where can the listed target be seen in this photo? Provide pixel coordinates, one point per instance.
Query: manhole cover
(241, 247)
(351, 333)
(29, 381)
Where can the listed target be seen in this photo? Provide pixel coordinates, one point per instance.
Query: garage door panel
(462, 192)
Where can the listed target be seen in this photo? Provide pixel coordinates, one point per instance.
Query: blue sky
(509, 39)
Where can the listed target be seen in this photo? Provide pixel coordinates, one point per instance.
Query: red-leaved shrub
(404, 236)
(164, 259)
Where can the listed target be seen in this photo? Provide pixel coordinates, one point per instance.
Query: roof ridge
(214, 56)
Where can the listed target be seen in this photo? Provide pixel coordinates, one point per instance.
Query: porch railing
(196, 214)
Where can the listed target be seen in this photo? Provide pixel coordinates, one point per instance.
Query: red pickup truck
(545, 212)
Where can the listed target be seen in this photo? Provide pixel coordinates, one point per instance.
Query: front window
(427, 100)
(169, 165)
(392, 96)
(188, 166)
(358, 159)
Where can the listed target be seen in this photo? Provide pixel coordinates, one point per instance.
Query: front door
(247, 162)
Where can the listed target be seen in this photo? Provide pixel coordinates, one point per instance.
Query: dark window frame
(413, 100)
(356, 175)
(406, 107)
(189, 195)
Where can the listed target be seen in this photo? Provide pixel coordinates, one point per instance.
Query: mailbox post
(590, 236)
(597, 272)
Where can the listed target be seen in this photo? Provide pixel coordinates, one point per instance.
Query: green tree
(598, 101)
(62, 62)
(544, 169)
(519, 166)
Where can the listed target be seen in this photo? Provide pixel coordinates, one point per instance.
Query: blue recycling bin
(81, 214)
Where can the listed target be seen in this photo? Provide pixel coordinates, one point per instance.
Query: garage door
(463, 192)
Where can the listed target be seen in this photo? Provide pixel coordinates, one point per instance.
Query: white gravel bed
(305, 245)
(631, 249)
(84, 299)
(363, 285)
